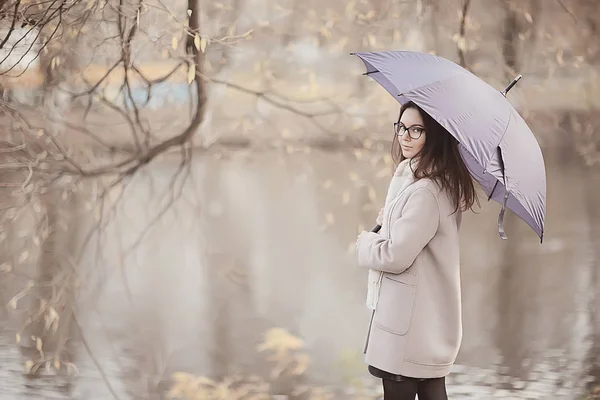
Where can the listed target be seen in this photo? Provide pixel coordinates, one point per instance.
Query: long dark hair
(440, 161)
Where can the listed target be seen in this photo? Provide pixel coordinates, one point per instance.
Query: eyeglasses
(414, 131)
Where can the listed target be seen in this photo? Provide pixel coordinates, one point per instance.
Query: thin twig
(567, 10)
(461, 37)
(93, 357)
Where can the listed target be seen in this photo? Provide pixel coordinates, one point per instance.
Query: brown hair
(440, 161)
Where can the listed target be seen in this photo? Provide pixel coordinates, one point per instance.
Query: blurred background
(182, 183)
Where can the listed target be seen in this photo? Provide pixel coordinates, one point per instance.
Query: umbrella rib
(494, 189)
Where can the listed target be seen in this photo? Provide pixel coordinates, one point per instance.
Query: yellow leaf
(302, 362)
(57, 363)
(372, 40)
(38, 344)
(18, 338)
(24, 256)
(182, 377)
(372, 194)
(462, 43)
(174, 43)
(231, 30)
(280, 341)
(559, 57)
(203, 44)
(350, 7)
(28, 366)
(191, 73)
(197, 41)
(346, 197)
(5, 267)
(325, 32)
(528, 17)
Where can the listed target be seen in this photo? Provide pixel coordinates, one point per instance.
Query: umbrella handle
(376, 228)
(510, 85)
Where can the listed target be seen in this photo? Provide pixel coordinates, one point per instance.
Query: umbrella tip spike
(510, 85)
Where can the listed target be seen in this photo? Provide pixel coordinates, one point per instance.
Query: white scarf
(403, 177)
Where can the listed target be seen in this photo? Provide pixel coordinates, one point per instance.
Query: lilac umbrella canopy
(496, 144)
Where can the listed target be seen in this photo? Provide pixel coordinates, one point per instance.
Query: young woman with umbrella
(453, 129)
(414, 277)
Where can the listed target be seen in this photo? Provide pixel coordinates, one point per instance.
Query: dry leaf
(191, 73)
(372, 194)
(197, 41)
(350, 7)
(12, 304)
(174, 43)
(203, 44)
(559, 57)
(29, 366)
(6, 267)
(24, 256)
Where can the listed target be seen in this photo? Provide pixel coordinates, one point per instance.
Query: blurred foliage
(285, 352)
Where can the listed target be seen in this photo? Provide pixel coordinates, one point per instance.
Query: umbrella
(496, 144)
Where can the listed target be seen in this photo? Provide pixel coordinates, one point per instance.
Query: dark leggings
(406, 389)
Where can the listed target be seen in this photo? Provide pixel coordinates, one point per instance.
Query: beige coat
(416, 329)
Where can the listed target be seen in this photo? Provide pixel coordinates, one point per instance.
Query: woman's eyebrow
(409, 126)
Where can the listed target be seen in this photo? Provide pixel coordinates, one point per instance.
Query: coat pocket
(395, 305)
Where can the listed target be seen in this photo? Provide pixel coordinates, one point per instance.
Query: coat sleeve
(409, 234)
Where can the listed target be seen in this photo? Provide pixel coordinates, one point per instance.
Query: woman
(413, 262)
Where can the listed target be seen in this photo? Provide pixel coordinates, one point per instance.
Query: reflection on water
(261, 240)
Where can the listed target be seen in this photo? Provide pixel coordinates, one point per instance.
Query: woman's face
(413, 126)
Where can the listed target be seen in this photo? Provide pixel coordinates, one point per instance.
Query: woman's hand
(379, 219)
